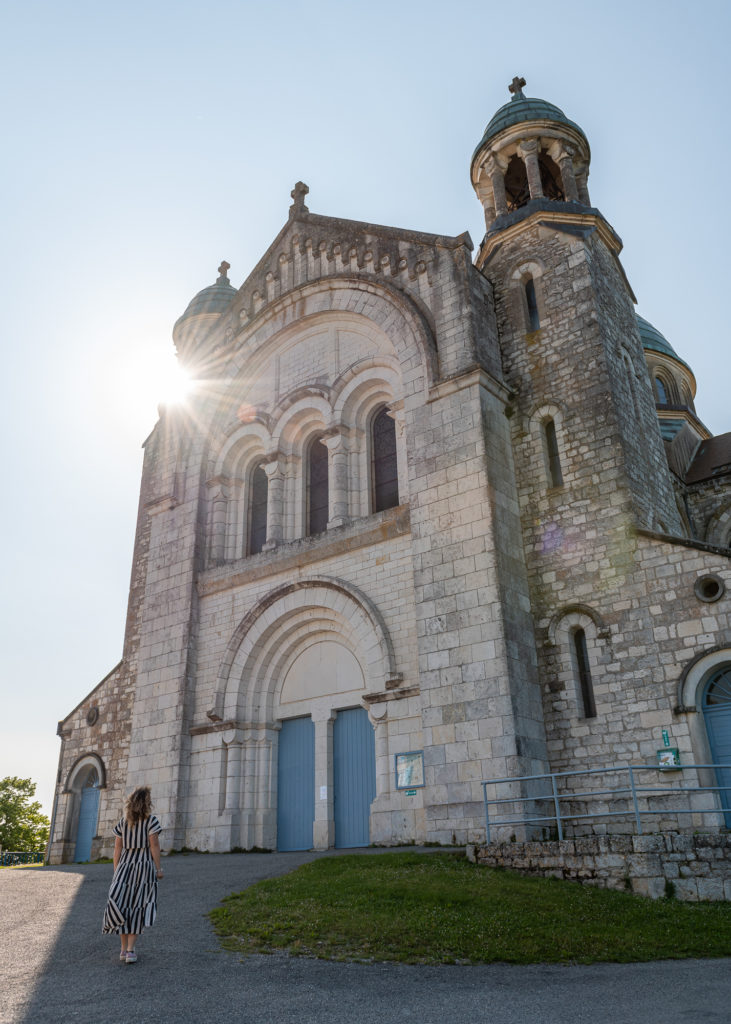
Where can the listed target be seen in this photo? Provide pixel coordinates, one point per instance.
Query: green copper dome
(214, 299)
(656, 342)
(524, 108)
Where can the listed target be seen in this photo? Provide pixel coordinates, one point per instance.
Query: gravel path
(57, 967)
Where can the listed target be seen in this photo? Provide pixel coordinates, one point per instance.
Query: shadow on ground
(57, 967)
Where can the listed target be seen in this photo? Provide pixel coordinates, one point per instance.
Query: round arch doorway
(716, 704)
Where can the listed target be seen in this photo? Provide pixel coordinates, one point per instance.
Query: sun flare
(175, 385)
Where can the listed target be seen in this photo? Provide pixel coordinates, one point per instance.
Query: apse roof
(656, 342)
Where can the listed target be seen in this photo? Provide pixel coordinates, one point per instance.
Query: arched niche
(281, 627)
(87, 772)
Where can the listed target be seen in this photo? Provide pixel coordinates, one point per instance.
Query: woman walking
(132, 902)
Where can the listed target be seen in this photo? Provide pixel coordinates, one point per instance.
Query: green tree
(23, 826)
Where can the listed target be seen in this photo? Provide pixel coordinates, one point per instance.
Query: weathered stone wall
(710, 506)
(690, 867)
(587, 568)
(94, 736)
(372, 555)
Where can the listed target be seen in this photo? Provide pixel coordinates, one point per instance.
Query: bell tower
(589, 456)
(530, 154)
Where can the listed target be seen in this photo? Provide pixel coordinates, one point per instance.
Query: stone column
(582, 173)
(497, 177)
(568, 179)
(485, 195)
(275, 502)
(218, 496)
(323, 830)
(233, 739)
(386, 799)
(264, 817)
(396, 413)
(337, 446)
(528, 151)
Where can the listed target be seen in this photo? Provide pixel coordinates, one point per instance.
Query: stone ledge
(653, 866)
(382, 526)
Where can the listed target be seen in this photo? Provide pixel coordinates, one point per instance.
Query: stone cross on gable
(298, 194)
(516, 87)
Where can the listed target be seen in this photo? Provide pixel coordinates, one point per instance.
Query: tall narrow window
(584, 673)
(662, 395)
(385, 467)
(534, 321)
(555, 475)
(317, 491)
(258, 488)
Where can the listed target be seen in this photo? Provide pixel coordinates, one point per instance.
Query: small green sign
(410, 792)
(665, 738)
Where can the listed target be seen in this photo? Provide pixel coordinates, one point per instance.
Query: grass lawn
(439, 908)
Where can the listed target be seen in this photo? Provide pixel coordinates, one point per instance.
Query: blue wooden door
(717, 714)
(296, 784)
(87, 822)
(354, 777)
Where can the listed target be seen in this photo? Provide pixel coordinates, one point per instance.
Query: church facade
(429, 519)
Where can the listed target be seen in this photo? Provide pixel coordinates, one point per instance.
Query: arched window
(258, 491)
(517, 192)
(383, 462)
(317, 488)
(550, 177)
(718, 689)
(534, 321)
(583, 672)
(553, 461)
(660, 391)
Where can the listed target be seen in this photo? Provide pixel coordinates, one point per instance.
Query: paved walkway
(55, 966)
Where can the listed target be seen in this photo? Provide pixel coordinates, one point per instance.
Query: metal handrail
(11, 858)
(632, 788)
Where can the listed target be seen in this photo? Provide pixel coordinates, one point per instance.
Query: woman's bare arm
(155, 851)
(117, 850)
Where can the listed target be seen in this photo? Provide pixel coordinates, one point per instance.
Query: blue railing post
(634, 800)
(487, 813)
(557, 806)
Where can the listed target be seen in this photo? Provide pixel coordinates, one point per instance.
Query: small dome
(525, 108)
(213, 299)
(656, 342)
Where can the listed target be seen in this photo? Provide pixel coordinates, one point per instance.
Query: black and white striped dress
(132, 902)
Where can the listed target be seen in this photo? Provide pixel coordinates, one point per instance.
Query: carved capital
(335, 440)
(272, 465)
(528, 147)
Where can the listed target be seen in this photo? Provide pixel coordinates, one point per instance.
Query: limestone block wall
(480, 702)
(632, 597)
(371, 558)
(167, 609)
(688, 867)
(710, 507)
(94, 737)
(642, 637)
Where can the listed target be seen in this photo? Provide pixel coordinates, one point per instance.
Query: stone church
(430, 518)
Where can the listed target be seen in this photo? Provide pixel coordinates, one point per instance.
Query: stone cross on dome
(223, 270)
(516, 87)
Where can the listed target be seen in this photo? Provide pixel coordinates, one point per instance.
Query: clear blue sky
(145, 142)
